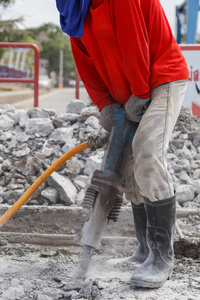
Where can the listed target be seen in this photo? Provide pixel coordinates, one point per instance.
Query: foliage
(9, 32)
(49, 38)
(52, 40)
(5, 3)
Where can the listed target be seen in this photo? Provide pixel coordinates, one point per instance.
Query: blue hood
(72, 16)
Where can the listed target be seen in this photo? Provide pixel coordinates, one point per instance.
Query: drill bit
(83, 266)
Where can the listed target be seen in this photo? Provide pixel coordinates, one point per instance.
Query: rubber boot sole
(148, 284)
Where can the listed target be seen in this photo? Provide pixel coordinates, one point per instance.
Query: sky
(38, 12)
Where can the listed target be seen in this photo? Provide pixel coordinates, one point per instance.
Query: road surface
(56, 99)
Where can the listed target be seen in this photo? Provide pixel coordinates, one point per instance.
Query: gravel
(30, 141)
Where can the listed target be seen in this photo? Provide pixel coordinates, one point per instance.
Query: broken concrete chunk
(89, 111)
(81, 181)
(184, 193)
(75, 106)
(93, 122)
(6, 123)
(51, 194)
(65, 188)
(74, 166)
(29, 165)
(61, 135)
(36, 112)
(92, 163)
(41, 126)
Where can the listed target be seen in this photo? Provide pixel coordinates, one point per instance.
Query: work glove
(135, 107)
(107, 114)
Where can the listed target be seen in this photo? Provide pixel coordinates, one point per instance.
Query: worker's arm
(93, 83)
(133, 41)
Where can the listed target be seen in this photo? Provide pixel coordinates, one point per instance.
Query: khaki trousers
(147, 173)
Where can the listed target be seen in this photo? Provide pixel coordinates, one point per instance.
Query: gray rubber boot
(142, 249)
(158, 267)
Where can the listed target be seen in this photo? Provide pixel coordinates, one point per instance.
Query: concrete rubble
(31, 273)
(32, 139)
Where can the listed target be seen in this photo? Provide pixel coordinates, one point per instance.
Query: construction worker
(126, 55)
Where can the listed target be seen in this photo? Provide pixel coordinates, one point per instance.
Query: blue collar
(72, 16)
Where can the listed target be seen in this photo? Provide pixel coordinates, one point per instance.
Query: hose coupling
(95, 142)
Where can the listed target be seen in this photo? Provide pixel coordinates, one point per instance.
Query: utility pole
(61, 70)
(77, 78)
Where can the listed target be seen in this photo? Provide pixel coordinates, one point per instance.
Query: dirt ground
(46, 273)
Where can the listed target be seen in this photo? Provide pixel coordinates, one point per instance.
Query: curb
(19, 97)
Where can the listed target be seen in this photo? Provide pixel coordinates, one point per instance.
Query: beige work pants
(147, 174)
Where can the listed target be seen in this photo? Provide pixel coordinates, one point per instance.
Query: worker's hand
(106, 115)
(135, 107)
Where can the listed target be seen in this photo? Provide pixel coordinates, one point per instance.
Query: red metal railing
(34, 80)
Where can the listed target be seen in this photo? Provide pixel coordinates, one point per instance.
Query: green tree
(52, 40)
(5, 3)
(6, 26)
(49, 38)
(9, 32)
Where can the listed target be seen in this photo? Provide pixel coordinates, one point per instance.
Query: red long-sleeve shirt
(127, 48)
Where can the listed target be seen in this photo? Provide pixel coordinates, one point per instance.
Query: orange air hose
(12, 210)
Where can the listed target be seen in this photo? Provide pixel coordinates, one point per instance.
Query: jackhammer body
(104, 196)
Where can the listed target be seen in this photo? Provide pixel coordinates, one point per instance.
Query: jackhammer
(104, 196)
